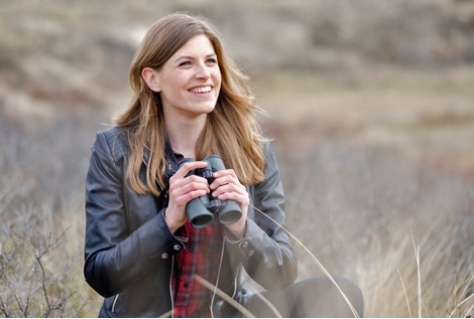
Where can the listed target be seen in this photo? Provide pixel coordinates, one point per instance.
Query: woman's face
(190, 81)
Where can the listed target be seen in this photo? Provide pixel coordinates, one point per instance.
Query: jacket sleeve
(266, 251)
(116, 256)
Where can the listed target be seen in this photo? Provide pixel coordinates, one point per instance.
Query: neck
(184, 134)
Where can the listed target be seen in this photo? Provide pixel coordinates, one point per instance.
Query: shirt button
(176, 247)
(251, 253)
(186, 285)
(191, 248)
(164, 255)
(245, 244)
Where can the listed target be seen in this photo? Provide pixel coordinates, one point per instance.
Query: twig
(3, 308)
(15, 296)
(49, 247)
(43, 286)
(25, 311)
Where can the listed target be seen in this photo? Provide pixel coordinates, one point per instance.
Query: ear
(152, 79)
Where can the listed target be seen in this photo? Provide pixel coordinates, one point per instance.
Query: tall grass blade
(224, 296)
(405, 293)
(315, 260)
(266, 301)
(460, 304)
(416, 248)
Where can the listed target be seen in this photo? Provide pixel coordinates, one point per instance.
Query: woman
(142, 254)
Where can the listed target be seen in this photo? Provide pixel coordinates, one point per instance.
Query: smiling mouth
(201, 89)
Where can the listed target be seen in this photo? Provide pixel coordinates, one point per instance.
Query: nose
(202, 71)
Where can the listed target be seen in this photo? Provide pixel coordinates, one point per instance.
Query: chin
(208, 108)
(202, 108)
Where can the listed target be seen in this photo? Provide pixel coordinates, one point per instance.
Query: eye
(184, 63)
(211, 61)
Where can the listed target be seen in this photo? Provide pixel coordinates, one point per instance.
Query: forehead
(197, 45)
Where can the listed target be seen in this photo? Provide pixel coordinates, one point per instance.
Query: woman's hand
(226, 186)
(182, 189)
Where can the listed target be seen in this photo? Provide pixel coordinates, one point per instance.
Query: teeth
(202, 89)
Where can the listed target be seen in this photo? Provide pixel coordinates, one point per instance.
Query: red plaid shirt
(201, 257)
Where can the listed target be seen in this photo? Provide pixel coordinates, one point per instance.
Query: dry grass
(378, 165)
(425, 113)
(401, 229)
(42, 231)
(399, 225)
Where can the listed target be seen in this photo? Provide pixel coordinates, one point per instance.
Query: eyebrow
(192, 57)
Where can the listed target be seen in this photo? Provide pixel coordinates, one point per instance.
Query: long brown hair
(231, 131)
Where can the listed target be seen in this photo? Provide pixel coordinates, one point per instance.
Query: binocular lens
(201, 221)
(198, 214)
(230, 213)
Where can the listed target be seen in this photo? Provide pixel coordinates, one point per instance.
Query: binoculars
(201, 211)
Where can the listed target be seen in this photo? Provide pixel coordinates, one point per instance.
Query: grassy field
(379, 177)
(370, 193)
(371, 112)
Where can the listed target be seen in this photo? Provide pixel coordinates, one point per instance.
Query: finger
(183, 199)
(187, 167)
(241, 198)
(230, 188)
(224, 172)
(182, 186)
(181, 193)
(223, 178)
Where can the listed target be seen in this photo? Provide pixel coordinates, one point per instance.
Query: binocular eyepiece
(201, 210)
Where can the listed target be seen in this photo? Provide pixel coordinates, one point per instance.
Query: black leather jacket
(129, 248)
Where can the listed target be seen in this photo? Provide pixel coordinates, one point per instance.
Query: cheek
(177, 81)
(174, 85)
(217, 78)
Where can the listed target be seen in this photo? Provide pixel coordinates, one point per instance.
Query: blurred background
(371, 108)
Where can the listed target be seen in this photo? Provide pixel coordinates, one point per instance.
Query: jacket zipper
(115, 301)
(171, 287)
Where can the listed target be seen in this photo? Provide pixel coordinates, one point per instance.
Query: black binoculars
(201, 210)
